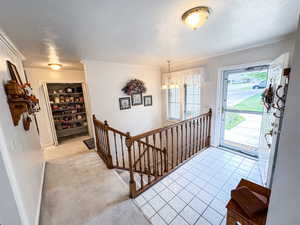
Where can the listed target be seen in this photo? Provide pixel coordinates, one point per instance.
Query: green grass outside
(253, 103)
(232, 120)
(258, 75)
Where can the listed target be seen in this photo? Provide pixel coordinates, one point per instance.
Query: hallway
(78, 181)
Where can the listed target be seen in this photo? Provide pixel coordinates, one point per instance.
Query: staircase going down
(150, 156)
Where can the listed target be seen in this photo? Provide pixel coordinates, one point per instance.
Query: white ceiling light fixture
(196, 17)
(55, 66)
(170, 84)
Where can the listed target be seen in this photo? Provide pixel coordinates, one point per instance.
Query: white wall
(212, 65)
(36, 77)
(8, 207)
(285, 196)
(105, 81)
(20, 152)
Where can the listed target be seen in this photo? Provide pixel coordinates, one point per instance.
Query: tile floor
(198, 191)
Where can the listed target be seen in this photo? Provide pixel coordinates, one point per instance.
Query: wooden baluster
(186, 141)
(145, 164)
(199, 137)
(209, 127)
(161, 164)
(195, 137)
(141, 171)
(172, 139)
(133, 152)
(204, 134)
(192, 134)
(109, 157)
(197, 134)
(152, 155)
(205, 129)
(161, 156)
(190, 146)
(116, 149)
(181, 129)
(177, 145)
(122, 149)
(148, 159)
(102, 141)
(97, 136)
(206, 122)
(167, 144)
(155, 157)
(132, 184)
(166, 160)
(199, 141)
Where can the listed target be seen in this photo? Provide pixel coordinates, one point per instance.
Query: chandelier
(169, 83)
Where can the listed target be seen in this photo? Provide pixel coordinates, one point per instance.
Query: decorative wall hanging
(268, 97)
(14, 72)
(134, 86)
(148, 100)
(281, 94)
(20, 99)
(124, 103)
(137, 99)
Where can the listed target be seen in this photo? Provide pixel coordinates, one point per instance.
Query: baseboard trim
(37, 219)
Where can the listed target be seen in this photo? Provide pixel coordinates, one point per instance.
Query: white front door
(271, 120)
(242, 108)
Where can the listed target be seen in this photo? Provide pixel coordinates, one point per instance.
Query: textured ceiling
(139, 31)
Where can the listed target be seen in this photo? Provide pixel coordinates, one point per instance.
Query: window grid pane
(192, 96)
(173, 104)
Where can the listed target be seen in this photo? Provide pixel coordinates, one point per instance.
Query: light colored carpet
(80, 190)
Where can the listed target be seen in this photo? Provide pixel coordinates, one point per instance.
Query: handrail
(154, 131)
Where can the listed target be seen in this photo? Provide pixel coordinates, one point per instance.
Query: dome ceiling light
(55, 66)
(196, 17)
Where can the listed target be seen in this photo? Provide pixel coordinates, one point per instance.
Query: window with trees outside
(192, 96)
(184, 102)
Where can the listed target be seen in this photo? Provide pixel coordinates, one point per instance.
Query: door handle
(270, 133)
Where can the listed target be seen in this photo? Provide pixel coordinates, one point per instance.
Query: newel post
(209, 127)
(132, 184)
(109, 157)
(96, 134)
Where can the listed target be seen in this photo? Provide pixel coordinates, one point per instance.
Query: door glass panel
(244, 90)
(242, 108)
(242, 130)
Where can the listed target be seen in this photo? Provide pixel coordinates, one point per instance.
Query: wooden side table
(236, 216)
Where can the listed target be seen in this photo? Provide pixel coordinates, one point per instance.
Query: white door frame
(220, 95)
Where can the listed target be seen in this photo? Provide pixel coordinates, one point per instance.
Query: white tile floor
(198, 191)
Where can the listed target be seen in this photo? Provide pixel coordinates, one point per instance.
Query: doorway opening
(242, 108)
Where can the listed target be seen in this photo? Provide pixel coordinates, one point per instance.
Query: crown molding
(10, 45)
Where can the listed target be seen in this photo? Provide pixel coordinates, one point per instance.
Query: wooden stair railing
(152, 155)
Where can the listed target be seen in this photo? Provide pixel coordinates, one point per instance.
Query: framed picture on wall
(148, 100)
(124, 103)
(14, 72)
(137, 99)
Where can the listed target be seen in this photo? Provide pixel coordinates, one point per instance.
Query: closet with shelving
(68, 110)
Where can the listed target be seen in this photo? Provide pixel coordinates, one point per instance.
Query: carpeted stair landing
(80, 190)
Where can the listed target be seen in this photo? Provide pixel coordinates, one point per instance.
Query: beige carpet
(79, 190)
